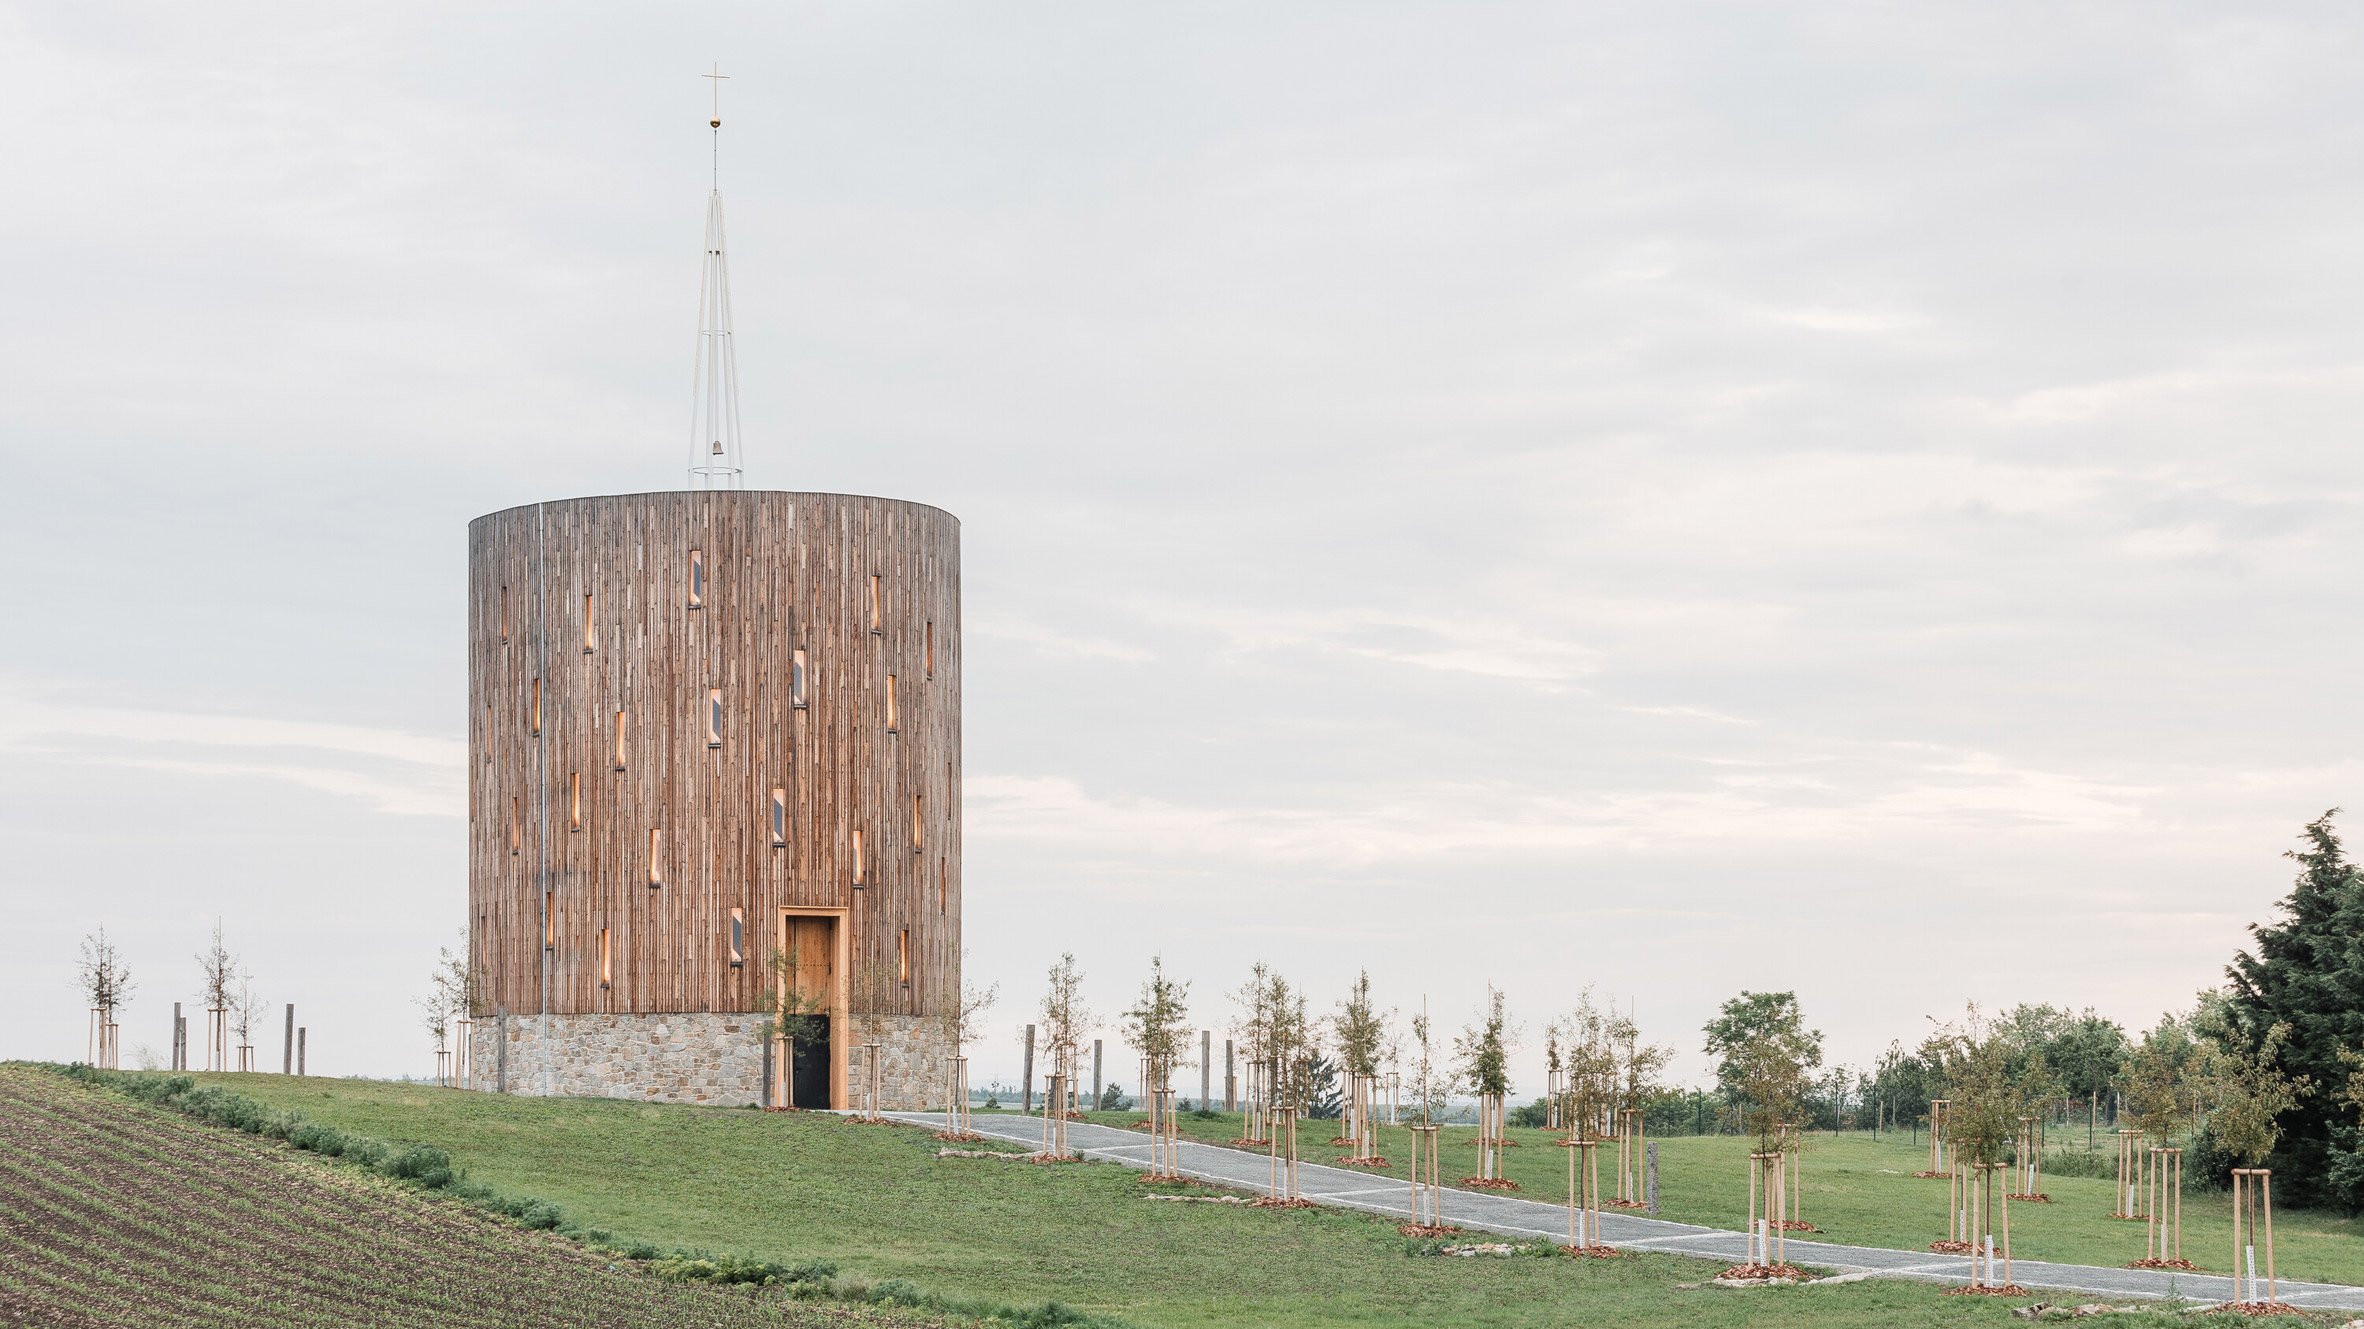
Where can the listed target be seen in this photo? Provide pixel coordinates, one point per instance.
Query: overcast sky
(1860, 499)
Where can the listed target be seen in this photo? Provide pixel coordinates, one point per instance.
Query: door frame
(840, 989)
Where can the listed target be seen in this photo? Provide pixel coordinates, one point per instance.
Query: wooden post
(1206, 1070)
(2253, 1200)
(1230, 1077)
(287, 1047)
(300, 1032)
(1097, 1097)
(2006, 1236)
(1757, 1232)
(1026, 1077)
(1427, 1185)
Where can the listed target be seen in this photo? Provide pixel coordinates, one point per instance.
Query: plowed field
(112, 1213)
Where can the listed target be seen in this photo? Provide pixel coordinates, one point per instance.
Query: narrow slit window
(607, 958)
(697, 586)
(894, 720)
(917, 835)
(516, 828)
(779, 818)
(738, 938)
(877, 620)
(858, 860)
(590, 624)
(796, 680)
(930, 652)
(943, 881)
(488, 729)
(534, 711)
(714, 717)
(549, 920)
(504, 615)
(903, 957)
(623, 732)
(574, 801)
(656, 858)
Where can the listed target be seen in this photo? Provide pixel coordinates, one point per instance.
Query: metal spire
(714, 415)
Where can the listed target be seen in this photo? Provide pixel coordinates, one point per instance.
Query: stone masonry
(684, 1057)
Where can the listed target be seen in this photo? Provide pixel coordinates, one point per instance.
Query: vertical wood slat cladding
(783, 572)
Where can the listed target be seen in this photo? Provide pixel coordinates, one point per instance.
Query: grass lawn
(879, 1202)
(1861, 1191)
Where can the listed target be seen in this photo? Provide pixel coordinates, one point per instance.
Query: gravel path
(1348, 1189)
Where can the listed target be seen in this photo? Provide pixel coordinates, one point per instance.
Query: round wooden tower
(714, 751)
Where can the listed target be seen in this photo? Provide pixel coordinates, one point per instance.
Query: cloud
(390, 770)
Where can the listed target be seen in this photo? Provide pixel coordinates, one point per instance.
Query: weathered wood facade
(694, 715)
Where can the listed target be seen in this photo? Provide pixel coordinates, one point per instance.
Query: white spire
(714, 414)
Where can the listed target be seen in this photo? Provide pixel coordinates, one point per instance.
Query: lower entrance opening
(808, 981)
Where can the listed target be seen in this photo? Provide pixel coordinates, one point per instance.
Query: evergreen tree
(2307, 973)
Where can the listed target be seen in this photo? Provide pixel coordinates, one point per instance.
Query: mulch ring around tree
(1488, 1184)
(1751, 1274)
(1427, 1230)
(1048, 1160)
(1933, 1176)
(1791, 1225)
(2037, 1197)
(1275, 1202)
(2255, 1308)
(1373, 1161)
(1168, 1179)
(1244, 1142)
(1625, 1204)
(1595, 1252)
(1989, 1290)
(1337, 1140)
(959, 1137)
(2184, 1265)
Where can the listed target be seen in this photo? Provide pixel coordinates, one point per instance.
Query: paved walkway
(1348, 1189)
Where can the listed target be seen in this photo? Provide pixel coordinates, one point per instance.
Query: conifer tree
(2307, 973)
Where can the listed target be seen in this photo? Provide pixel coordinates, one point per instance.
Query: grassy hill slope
(878, 1201)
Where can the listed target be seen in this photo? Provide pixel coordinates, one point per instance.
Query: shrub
(422, 1163)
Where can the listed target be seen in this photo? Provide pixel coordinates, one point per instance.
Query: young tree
(963, 1020)
(1482, 1050)
(1759, 1020)
(1360, 1032)
(1429, 1088)
(1361, 1029)
(219, 979)
(106, 985)
(2302, 974)
(2250, 1095)
(1157, 1025)
(1064, 1018)
(435, 1015)
(245, 1010)
(1252, 1026)
(1296, 1042)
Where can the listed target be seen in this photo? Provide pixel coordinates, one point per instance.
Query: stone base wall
(684, 1057)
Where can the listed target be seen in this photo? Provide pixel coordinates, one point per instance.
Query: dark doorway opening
(808, 1065)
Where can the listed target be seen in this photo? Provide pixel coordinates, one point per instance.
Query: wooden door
(810, 943)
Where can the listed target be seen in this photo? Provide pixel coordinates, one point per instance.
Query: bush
(424, 1164)
(1533, 1115)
